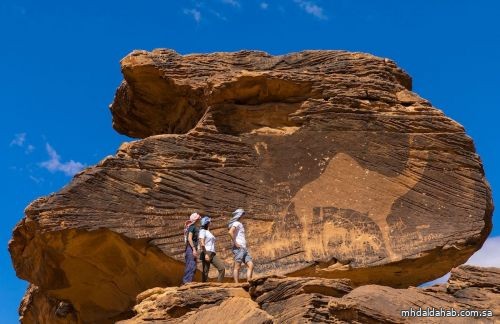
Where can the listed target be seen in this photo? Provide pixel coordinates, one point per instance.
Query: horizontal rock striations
(309, 300)
(343, 170)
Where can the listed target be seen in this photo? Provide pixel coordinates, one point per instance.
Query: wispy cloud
(18, 140)
(205, 10)
(218, 15)
(54, 164)
(233, 3)
(29, 149)
(438, 281)
(487, 256)
(312, 9)
(194, 13)
(36, 180)
(264, 5)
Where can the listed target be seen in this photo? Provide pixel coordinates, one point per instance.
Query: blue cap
(205, 220)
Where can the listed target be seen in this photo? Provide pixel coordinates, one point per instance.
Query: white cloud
(18, 140)
(312, 9)
(69, 168)
(29, 149)
(36, 180)
(195, 13)
(264, 5)
(233, 3)
(487, 256)
(218, 15)
(438, 281)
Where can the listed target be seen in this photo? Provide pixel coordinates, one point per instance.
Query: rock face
(37, 307)
(306, 300)
(469, 288)
(344, 173)
(212, 303)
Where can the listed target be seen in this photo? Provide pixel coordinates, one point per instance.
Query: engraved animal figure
(347, 185)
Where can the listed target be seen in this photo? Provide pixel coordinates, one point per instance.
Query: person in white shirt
(240, 250)
(208, 255)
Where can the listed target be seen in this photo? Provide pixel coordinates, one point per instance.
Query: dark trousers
(190, 265)
(217, 262)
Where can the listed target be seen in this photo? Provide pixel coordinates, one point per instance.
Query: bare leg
(236, 271)
(249, 270)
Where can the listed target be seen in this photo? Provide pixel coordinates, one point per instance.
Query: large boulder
(343, 170)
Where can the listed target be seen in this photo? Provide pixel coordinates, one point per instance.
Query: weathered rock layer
(344, 173)
(310, 300)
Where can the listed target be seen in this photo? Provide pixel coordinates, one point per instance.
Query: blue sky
(59, 63)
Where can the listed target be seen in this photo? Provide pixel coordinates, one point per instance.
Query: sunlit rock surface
(344, 173)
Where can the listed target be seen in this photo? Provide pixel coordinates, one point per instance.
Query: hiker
(208, 255)
(191, 238)
(240, 251)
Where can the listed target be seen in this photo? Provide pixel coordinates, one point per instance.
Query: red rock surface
(344, 173)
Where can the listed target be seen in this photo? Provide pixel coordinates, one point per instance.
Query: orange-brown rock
(37, 307)
(311, 300)
(344, 173)
(198, 303)
(468, 289)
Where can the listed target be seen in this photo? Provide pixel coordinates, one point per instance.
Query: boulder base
(305, 300)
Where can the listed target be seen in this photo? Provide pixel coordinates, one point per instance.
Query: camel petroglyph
(345, 184)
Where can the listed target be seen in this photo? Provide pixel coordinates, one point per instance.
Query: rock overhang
(344, 171)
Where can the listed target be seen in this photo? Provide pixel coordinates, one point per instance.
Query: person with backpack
(191, 230)
(208, 255)
(239, 249)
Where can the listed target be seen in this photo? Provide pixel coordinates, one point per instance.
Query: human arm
(232, 233)
(202, 245)
(191, 243)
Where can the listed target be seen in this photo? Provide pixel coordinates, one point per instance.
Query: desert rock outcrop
(343, 170)
(311, 300)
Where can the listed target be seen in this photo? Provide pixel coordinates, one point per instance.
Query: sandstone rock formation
(306, 300)
(213, 303)
(38, 307)
(344, 172)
